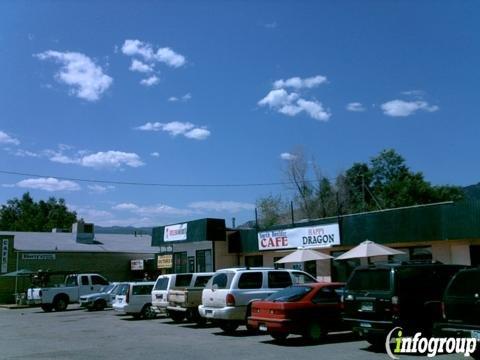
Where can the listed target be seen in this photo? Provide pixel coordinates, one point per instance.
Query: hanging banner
(318, 236)
(4, 253)
(175, 232)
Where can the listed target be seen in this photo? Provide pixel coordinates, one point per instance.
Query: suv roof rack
(417, 262)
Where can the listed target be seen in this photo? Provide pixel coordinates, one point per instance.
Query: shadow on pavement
(300, 341)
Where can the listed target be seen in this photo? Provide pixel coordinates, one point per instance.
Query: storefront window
(204, 260)
(475, 255)
(180, 262)
(254, 261)
(278, 266)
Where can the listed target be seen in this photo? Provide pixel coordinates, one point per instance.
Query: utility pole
(363, 192)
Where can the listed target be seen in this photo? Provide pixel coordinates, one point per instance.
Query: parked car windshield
(106, 288)
(466, 283)
(123, 289)
(161, 283)
(290, 294)
(370, 280)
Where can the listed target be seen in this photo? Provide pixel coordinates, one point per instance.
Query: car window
(290, 294)
(326, 295)
(183, 280)
(279, 279)
(123, 289)
(162, 283)
(466, 283)
(302, 278)
(370, 280)
(98, 280)
(250, 280)
(202, 280)
(84, 280)
(71, 281)
(142, 289)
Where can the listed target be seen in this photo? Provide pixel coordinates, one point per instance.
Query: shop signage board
(176, 232)
(4, 254)
(316, 236)
(164, 261)
(29, 256)
(137, 264)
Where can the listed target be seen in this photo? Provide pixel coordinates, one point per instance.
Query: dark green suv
(461, 308)
(379, 297)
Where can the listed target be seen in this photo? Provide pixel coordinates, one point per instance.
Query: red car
(310, 310)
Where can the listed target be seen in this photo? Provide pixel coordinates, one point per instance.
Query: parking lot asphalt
(79, 334)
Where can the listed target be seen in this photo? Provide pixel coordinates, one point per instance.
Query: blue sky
(220, 92)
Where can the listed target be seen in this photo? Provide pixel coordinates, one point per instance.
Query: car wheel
(177, 316)
(60, 303)
(377, 341)
(47, 307)
(228, 326)
(315, 332)
(100, 305)
(278, 336)
(148, 313)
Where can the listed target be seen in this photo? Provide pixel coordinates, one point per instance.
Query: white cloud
(145, 50)
(7, 139)
(125, 206)
(155, 154)
(197, 134)
(287, 156)
(150, 81)
(314, 109)
(139, 66)
(99, 189)
(25, 153)
(49, 184)
(92, 215)
(299, 83)
(186, 97)
(176, 128)
(355, 107)
(291, 105)
(221, 206)
(61, 158)
(401, 108)
(78, 71)
(170, 57)
(173, 99)
(416, 93)
(111, 159)
(272, 25)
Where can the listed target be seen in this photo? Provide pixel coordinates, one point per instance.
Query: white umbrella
(368, 249)
(302, 255)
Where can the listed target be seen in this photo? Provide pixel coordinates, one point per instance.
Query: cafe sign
(318, 236)
(176, 232)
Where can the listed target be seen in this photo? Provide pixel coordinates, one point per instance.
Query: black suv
(379, 297)
(461, 307)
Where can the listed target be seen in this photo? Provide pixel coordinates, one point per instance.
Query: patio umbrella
(19, 273)
(302, 255)
(368, 249)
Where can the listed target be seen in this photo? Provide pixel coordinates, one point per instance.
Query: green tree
(272, 210)
(27, 215)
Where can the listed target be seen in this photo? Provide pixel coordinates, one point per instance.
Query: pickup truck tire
(177, 316)
(228, 327)
(60, 302)
(148, 313)
(99, 305)
(47, 307)
(279, 336)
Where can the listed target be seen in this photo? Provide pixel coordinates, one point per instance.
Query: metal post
(291, 212)
(16, 279)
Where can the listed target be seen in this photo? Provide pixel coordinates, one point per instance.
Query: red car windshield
(290, 294)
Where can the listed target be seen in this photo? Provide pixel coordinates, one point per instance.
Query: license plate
(262, 327)
(475, 334)
(366, 306)
(209, 313)
(365, 325)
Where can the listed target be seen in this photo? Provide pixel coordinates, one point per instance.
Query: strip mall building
(447, 232)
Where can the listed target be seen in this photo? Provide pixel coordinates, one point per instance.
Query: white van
(134, 299)
(228, 295)
(162, 286)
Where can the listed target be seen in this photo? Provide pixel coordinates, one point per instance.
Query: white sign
(4, 256)
(136, 264)
(175, 232)
(318, 236)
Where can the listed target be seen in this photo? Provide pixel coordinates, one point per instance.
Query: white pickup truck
(58, 298)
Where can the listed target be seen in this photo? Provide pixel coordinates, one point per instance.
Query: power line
(137, 183)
